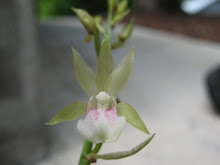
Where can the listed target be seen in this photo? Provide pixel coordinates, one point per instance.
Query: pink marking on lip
(90, 109)
(92, 116)
(111, 115)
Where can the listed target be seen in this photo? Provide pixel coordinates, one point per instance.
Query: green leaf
(104, 64)
(122, 154)
(84, 74)
(121, 75)
(70, 112)
(132, 117)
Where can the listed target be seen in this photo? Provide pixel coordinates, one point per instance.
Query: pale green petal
(121, 75)
(68, 113)
(105, 64)
(132, 117)
(84, 75)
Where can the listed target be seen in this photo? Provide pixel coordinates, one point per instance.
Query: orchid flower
(105, 119)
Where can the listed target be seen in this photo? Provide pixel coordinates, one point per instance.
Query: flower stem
(97, 148)
(87, 147)
(108, 30)
(108, 27)
(97, 42)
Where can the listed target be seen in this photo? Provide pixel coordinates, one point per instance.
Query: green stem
(108, 27)
(87, 147)
(97, 148)
(109, 20)
(97, 42)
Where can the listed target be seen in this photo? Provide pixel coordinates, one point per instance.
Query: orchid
(103, 87)
(105, 117)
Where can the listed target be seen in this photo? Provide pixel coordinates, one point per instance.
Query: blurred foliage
(49, 8)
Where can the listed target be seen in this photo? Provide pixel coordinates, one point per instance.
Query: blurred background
(179, 16)
(177, 46)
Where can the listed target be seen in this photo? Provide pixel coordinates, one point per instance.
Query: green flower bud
(122, 6)
(86, 20)
(119, 17)
(127, 30)
(88, 38)
(100, 28)
(112, 4)
(98, 21)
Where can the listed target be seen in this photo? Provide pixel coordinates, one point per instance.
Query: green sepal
(122, 154)
(69, 113)
(105, 64)
(131, 116)
(84, 74)
(121, 75)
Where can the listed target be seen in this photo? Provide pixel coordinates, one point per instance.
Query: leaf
(70, 112)
(132, 117)
(84, 74)
(121, 75)
(120, 155)
(104, 64)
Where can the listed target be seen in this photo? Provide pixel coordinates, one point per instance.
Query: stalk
(87, 147)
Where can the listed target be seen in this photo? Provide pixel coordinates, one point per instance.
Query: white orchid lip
(102, 124)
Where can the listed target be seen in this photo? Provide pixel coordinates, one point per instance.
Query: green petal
(132, 117)
(70, 112)
(122, 154)
(84, 75)
(104, 64)
(121, 75)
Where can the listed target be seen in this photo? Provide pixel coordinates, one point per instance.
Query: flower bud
(88, 38)
(118, 17)
(98, 21)
(122, 6)
(126, 32)
(86, 20)
(112, 4)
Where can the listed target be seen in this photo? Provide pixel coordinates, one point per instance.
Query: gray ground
(167, 89)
